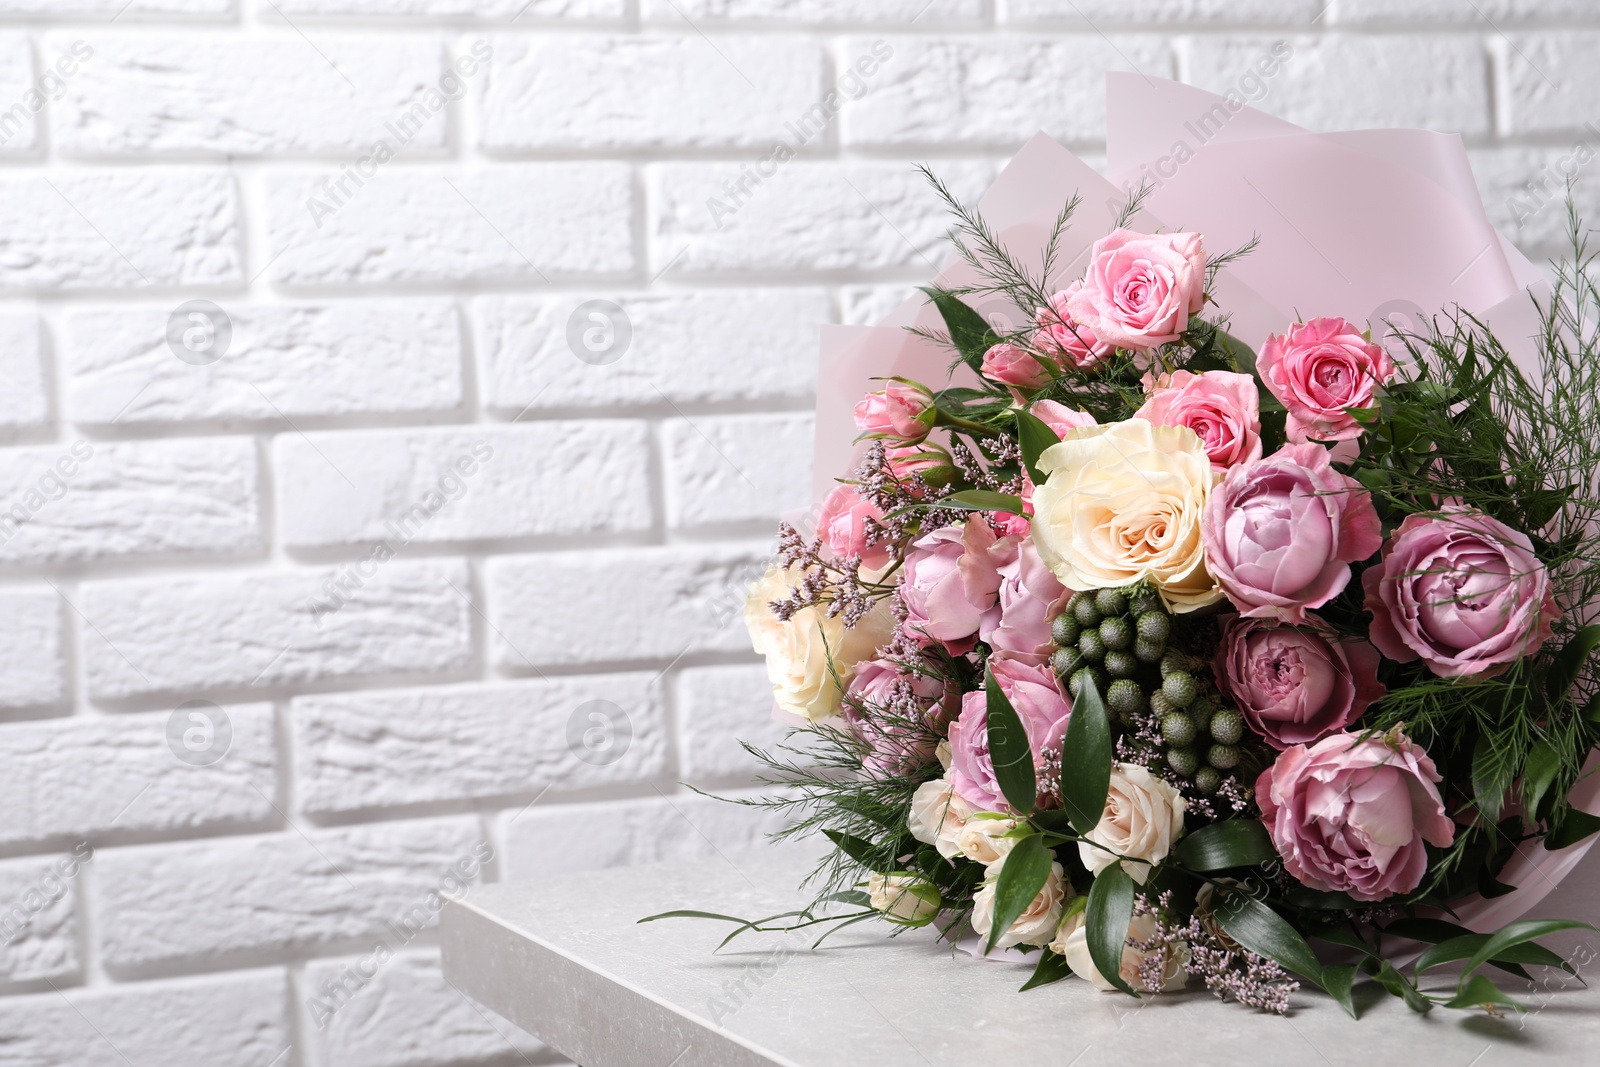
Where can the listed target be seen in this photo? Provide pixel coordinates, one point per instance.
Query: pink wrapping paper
(1375, 225)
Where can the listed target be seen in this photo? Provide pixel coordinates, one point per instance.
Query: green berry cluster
(1201, 738)
(1113, 636)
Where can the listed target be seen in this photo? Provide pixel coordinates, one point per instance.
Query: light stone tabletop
(567, 961)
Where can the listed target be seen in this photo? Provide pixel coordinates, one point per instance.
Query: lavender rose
(1039, 703)
(951, 582)
(1295, 685)
(891, 710)
(1280, 533)
(1029, 597)
(1461, 591)
(1351, 816)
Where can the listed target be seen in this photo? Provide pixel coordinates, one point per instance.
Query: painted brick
(523, 12)
(649, 348)
(38, 920)
(97, 500)
(1088, 14)
(406, 1015)
(610, 91)
(87, 777)
(222, 1018)
(523, 221)
(33, 662)
(1552, 83)
(867, 305)
(546, 841)
(282, 361)
(202, 93)
(24, 387)
(119, 229)
(736, 468)
(361, 751)
(918, 13)
(1339, 82)
(718, 707)
(482, 483)
(619, 605)
(183, 635)
(805, 216)
(1477, 13)
(21, 99)
(211, 902)
(1524, 191)
(1000, 92)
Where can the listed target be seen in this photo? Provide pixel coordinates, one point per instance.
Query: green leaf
(1539, 774)
(1488, 778)
(1449, 950)
(1266, 933)
(1009, 749)
(1396, 983)
(1051, 968)
(1477, 992)
(1574, 827)
(982, 500)
(1034, 437)
(1337, 981)
(1516, 934)
(1319, 900)
(1086, 759)
(1568, 663)
(968, 331)
(1106, 918)
(1022, 875)
(1232, 843)
(1240, 353)
(859, 849)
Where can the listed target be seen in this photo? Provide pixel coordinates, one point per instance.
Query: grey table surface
(567, 961)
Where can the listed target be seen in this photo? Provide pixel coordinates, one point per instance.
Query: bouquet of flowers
(1151, 654)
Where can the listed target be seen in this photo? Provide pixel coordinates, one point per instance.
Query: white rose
(903, 898)
(1143, 819)
(984, 839)
(1121, 504)
(942, 750)
(1038, 921)
(938, 815)
(1072, 941)
(811, 657)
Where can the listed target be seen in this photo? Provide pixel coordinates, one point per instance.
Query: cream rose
(984, 838)
(938, 815)
(1038, 921)
(811, 657)
(1142, 821)
(903, 898)
(1072, 941)
(1121, 504)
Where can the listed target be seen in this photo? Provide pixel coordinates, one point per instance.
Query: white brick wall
(436, 564)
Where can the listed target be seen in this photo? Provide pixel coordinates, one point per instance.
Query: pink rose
(1319, 369)
(1461, 591)
(1140, 289)
(1059, 417)
(1029, 597)
(1010, 365)
(903, 411)
(1224, 408)
(1039, 703)
(1351, 816)
(929, 460)
(890, 709)
(1062, 335)
(1295, 686)
(843, 525)
(1280, 533)
(951, 582)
